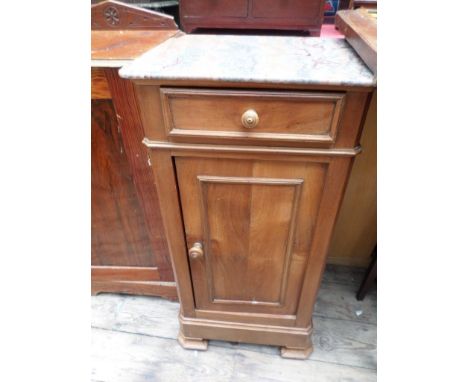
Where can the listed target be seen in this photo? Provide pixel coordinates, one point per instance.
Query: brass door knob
(196, 251)
(250, 119)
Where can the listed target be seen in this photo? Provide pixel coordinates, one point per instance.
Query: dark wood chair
(370, 277)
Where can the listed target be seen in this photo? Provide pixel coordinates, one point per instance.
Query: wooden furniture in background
(369, 279)
(360, 29)
(250, 175)
(129, 249)
(371, 4)
(355, 234)
(299, 15)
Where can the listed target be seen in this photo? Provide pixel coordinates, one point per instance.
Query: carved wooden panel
(255, 221)
(114, 15)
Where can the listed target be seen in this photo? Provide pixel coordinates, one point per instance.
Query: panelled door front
(254, 222)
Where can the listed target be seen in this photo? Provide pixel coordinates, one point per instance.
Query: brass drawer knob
(196, 251)
(250, 119)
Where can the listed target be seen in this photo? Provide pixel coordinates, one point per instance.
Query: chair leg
(369, 278)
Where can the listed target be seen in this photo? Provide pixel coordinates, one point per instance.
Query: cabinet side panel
(126, 106)
(334, 186)
(119, 236)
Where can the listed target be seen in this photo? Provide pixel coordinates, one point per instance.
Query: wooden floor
(134, 339)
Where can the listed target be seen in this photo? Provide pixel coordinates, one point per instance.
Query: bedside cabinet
(300, 15)
(251, 140)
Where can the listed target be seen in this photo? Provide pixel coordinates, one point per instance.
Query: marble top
(262, 59)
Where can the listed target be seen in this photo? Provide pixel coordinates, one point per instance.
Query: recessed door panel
(255, 221)
(305, 9)
(215, 8)
(239, 219)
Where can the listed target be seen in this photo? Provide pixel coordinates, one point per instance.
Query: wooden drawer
(282, 116)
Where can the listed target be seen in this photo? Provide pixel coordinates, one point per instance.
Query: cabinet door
(303, 9)
(255, 220)
(214, 8)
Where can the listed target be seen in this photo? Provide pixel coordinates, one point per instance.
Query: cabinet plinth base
(294, 342)
(296, 353)
(192, 343)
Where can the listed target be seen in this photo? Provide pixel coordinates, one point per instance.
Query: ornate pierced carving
(109, 15)
(112, 15)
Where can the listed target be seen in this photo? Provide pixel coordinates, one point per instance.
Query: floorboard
(338, 301)
(134, 339)
(340, 274)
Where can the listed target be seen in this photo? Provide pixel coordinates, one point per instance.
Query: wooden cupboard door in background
(255, 221)
(216, 8)
(119, 236)
(303, 9)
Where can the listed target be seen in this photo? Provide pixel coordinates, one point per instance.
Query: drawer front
(252, 116)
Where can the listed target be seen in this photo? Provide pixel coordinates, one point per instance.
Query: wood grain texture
(141, 358)
(349, 308)
(121, 253)
(119, 235)
(125, 44)
(131, 280)
(360, 30)
(299, 15)
(160, 359)
(337, 341)
(283, 116)
(145, 315)
(355, 234)
(292, 154)
(164, 289)
(121, 31)
(116, 15)
(124, 273)
(129, 253)
(333, 190)
(253, 217)
(340, 344)
(264, 249)
(166, 184)
(132, 132)
(99, 86)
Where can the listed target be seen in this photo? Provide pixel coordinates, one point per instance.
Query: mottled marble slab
(262, 59)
